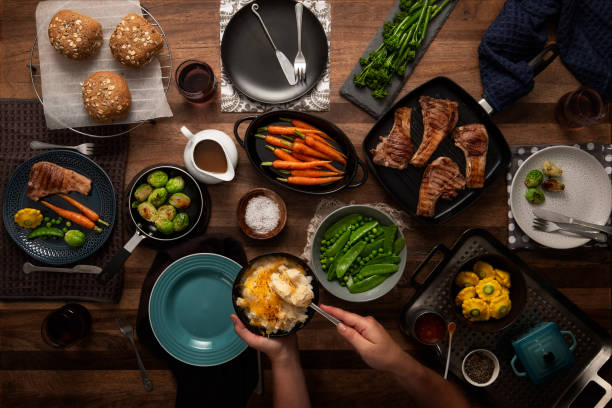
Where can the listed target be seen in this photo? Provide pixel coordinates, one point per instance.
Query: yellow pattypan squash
(488, 288)
(475, 310)
(502, 277)
(464, 279)
(28, 218)
(483, 270)
(464, 294)
(500, 306)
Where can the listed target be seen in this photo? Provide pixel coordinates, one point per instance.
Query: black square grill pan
(403, 185)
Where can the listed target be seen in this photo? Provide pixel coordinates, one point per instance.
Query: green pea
(331, 259)
(46, 219)
(380, 250)
(49, 224)
(68, 223)
(65, 229)
(360, 218)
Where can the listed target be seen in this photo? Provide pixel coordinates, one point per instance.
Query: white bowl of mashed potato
(256, 294)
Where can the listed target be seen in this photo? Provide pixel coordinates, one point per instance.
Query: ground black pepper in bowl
(479, 367)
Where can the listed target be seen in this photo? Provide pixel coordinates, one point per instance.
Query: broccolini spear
(401, 38)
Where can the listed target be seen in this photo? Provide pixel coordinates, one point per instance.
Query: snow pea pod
(372, 246)
(387, 259)
(331, 272)
(398, 245)
(361, 231)
(338, 245)
(46, 232)
(368, 283)
(390, 232)
(341, 224)
(378, 269)
(348, 258)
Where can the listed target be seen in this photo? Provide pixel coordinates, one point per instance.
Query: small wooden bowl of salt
(261, 213)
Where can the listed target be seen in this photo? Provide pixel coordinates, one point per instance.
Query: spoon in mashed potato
(293, 287)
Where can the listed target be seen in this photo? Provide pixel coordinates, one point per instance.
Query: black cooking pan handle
(119, 259)
(544, 58)
(237, 124)
(364, 177)
(439, 247)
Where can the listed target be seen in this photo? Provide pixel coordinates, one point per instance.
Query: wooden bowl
(241, 212)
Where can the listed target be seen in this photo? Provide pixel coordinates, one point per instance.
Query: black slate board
(362, 97)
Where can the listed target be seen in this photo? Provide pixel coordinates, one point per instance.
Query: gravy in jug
(209, 156)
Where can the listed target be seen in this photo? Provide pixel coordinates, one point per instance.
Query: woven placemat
(517, 239)
(22, 121)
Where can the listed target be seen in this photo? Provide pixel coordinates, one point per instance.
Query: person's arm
(289, 383)
(381, 352)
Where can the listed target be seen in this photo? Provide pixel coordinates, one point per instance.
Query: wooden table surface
(102, 371)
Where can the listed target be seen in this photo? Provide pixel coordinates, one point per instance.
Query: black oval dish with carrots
(301, 152)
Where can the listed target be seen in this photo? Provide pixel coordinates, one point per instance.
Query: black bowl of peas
(358, 253)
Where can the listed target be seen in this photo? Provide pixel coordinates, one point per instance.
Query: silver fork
(541, 224)
(128, 331)
(299, 65)
(84, 148)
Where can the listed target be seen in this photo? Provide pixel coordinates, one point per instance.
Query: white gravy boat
(226, 144)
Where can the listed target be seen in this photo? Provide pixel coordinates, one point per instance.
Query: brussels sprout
(166, 212)
(142, 192)
(180, 222)
(74, 238)
(175, 184)
(157, 179)
(147, 211)
(534, 196)
(553, 186)
(158, 196)
(551, 170)
(164, 226)
(179, 200)
(534, 178)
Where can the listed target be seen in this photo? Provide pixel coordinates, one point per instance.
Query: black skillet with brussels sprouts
(168, 199)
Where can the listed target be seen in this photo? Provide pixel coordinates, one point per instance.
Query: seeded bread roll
(135, 42)
(75, 35)
(106, 96)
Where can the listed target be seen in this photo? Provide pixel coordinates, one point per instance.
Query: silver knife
(556, 217)
(582, 231)
(284, 62)
(29, 268)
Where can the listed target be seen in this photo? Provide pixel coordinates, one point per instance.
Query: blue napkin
(584, 37)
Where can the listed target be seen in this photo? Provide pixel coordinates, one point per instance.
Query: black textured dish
(404, 185)
(518, 293)
(257, 152)
(100, 199)
(249, 59)
(238, 286)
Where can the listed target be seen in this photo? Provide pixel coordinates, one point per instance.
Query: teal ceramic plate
(189, 310)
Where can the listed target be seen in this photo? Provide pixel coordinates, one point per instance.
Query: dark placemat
(21, 121)
(517, 239)
(226, 385)
(362, 97)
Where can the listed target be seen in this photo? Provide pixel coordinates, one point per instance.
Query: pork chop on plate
(48, 178)
(395, 150)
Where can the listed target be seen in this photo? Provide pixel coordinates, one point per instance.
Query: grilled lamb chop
(439, 118)
(474, 141)
(395, 149)
(48, 178)
(442, 178)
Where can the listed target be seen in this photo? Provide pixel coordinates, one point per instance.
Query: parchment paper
(61, 76)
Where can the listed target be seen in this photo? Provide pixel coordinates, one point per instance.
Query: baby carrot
(301, 124)
(314, 173)
(80, 219)
(282, 154)
(275, 141)
(306, 158)
(322, 147)
(309, 181)
(302, 148)
(287, 130)
(289, 165)
(92, 215)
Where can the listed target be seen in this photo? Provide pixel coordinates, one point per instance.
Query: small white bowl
(495, 368)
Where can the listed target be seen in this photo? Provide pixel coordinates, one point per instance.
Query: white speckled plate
(587, 195)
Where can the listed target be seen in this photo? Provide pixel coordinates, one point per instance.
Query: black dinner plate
(404, 185)
(249, 59)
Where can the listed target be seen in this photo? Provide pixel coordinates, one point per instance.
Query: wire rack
(165, 61)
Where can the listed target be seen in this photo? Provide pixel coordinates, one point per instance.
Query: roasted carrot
(287, 130)
(313, 136)
(314, 173)
(92, 215)
(307, 150)
(282, 154)
(290, 165)
(80, 219)
(309, 181)
(322, 147)
(301, 124)
(306, 158)
(275, 141)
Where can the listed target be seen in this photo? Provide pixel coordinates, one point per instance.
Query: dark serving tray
(403, 185)
(544, 303)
